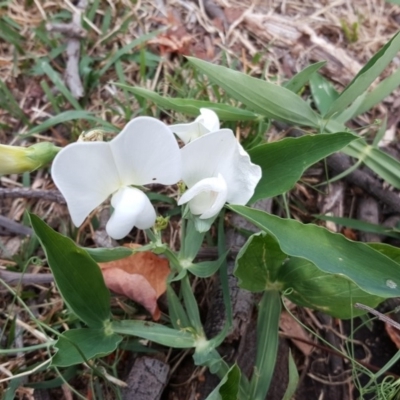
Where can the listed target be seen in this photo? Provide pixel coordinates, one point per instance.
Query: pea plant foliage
(213, 173)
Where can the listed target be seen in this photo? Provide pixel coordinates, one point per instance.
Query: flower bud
(16, 159)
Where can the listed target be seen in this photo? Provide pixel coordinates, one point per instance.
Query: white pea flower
(206, 122)
(87, 173)
(216, 170)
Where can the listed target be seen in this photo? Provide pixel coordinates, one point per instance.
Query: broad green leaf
(283, 162)
(366, 76)
(265, 98)
(76, 274)
(300, 79)
(91, 343)
(384, 89)
(330, 252)
(106, 254)
(388, 250)
(258, 263)
(228, 388)
(192, 107)
(308, 286)
(323, 92)
(269, 312)
(157, 333)
(293, 379)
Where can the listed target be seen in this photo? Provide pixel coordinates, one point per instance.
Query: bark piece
(146, 380)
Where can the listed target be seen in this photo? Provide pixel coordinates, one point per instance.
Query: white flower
(217, 169)
(87, 173)
(206, 122)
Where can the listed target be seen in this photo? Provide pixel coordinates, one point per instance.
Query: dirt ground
(269, 39)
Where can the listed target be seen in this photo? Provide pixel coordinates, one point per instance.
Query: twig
(14, 227)
(379, 315)
(74, 32)
(50, 195)
(15, 278)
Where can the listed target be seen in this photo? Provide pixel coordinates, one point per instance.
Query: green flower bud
(16, 159)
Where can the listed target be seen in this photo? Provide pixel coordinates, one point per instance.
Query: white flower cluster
(212, 163)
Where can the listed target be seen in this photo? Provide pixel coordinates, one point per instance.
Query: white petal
(131, 208)
(207, 197)
(146, 151)
(209, 119)
(85, 173)
(242, 176)
(220, 153)
(189, 132)
(206, 122)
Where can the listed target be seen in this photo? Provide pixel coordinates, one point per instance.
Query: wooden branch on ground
(74, 32)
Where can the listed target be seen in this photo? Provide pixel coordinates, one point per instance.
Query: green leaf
(127, 49)
(269, 312)
(177, 313)
(323, 92)
(91, 343)
(381, 163)
(361, 225)
(306, 285)
(77, 276)
(106, 255)
(293, 379)
(160, 334)
(300, 79)
(263, 97)
(207, 268)
(283, 162)
(384, 89)
(389, 251)
(366, 76)
(63, 377)
(228, 388)
(330, 252)
(66, 116)
(60, 85)
(258, 263)
(191, 106)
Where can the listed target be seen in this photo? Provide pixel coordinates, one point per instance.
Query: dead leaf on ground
(291, 328)
(393, 333)
(141, 277)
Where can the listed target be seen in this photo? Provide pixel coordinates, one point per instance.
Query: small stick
(379, 315)
(50, 195)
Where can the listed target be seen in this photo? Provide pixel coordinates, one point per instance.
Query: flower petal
(220, 153)
(206, 197)
(85, 173)
(146, 151)
(131, 208)
(207, 122)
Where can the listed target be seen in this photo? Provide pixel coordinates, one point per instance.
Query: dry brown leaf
(393, 333)
(291, 328)
(141, 277)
